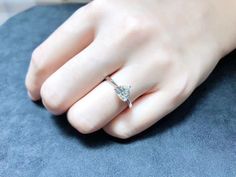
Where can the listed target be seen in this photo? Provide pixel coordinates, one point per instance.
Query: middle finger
(79, 75)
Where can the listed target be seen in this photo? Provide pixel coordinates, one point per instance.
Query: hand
(163, 49)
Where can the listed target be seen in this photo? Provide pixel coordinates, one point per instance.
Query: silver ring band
(122, 91)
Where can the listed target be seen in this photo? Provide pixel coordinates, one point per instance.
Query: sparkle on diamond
(123, 92)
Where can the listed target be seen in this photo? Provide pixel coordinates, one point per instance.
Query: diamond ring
(122, 91)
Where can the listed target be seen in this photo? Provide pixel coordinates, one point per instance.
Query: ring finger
(79, 75)
(101, 105)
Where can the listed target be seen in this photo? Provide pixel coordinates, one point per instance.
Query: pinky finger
(146, 111)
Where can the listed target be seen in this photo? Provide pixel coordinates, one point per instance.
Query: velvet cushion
(196, 140)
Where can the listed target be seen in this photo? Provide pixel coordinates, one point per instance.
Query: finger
(79, 75)
(145, 112)
(68, 40)
(102, 104)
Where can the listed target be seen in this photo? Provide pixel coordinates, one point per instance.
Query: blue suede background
(196, 140)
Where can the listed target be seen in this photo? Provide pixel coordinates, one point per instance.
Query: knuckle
(137, 28)
(51, 99)
(80, 122)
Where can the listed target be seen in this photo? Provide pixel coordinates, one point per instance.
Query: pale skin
(163, 49)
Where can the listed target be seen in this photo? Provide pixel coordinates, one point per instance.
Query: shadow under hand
(93, 140)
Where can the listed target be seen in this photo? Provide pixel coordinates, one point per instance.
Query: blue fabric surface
(196, 140)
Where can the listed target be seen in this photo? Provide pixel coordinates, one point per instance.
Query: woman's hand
(163, 49)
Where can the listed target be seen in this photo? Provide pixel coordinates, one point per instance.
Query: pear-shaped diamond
(123, 92)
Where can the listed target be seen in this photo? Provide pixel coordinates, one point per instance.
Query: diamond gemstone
(123, 92)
